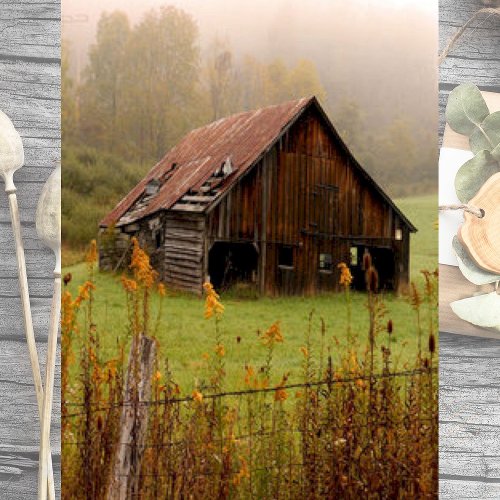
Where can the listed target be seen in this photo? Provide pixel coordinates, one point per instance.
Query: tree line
(147, 85)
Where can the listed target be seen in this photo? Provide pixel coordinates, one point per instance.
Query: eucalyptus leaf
(473, 174)
(481, 310)
(496, 153)
(487, 135)
(470, 269)
(466, 109)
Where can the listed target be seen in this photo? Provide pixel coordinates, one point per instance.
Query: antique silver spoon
(48, 227)
(12, 159)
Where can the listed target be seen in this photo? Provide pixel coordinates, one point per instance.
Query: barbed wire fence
(169, 453)
(244, 392)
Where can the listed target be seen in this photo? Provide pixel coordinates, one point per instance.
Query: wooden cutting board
(452, 285)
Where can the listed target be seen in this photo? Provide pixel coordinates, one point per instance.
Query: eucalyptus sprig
(468, 114)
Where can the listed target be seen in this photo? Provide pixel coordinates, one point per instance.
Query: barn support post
(126, 468)
(405, 274)
(263, 245)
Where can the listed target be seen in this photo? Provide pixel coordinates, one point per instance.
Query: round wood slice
(481, 237)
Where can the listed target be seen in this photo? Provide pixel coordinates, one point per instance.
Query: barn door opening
(383, 259)
(232, 263)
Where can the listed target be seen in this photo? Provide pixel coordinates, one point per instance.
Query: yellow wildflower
(273, 334)
(220, 350)
(304, 351)
(213, 306)
(143, 271)
(83, 293)
(158, 375)
(129, 285)
(345, 274)
(280, 395)
(91, 255)
(250, 373)
(197, 396)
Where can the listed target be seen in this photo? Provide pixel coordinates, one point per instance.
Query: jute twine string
(490, 11)
(478, 212)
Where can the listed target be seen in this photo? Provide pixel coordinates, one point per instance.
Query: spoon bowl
(48, 214)
(11, 151)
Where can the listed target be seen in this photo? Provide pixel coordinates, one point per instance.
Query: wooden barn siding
(184, 251)
(115, 248)
(147, 241)
(273, 205)
(112, 244)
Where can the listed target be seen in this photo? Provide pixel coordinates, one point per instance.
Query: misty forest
(147, 81)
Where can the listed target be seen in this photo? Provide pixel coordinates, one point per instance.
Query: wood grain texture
(469, 366)
(469, 426)
(30, 96)
(475, 57)
(481, 237)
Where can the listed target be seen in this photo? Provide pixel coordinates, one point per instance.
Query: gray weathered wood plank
(30, 95)
(469, 423)
(469, 391)
(476, 55)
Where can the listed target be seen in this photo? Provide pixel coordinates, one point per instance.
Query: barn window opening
(158, 239)
(285, 257)
(325, 262)
(398, 235)
(354, 256)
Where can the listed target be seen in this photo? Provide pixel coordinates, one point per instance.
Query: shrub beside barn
(272, 198)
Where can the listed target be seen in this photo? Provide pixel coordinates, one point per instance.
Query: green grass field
(185, 335)
(422, 211)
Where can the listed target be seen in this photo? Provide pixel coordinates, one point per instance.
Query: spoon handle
(49, 387)
(27, 318)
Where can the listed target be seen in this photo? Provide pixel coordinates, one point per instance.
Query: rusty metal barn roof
(189, 177)
(186, 167)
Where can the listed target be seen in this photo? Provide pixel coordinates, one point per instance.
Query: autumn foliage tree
(146, 85)
(103, 90)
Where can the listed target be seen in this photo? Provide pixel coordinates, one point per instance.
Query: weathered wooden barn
(271, 197)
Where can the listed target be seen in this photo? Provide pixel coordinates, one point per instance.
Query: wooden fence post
(125, 475)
